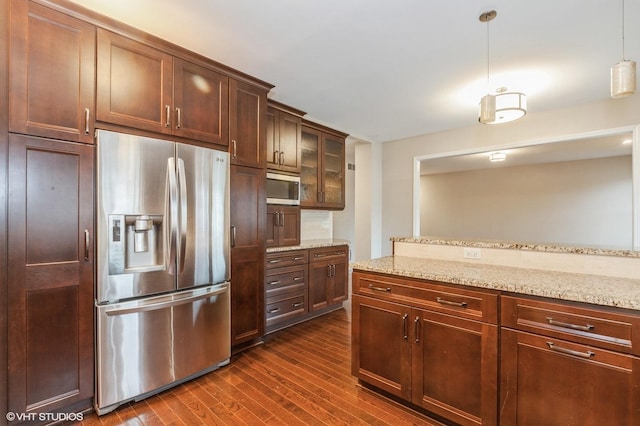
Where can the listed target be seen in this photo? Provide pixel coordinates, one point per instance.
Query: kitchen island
(484, 343)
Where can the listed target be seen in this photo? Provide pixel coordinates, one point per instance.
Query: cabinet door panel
(290, 134)
(201, 103)
(290, 226)
(248, 211)
(319, 294)
(340, 280)
(248, 124)
(247, 294)
(50, 274)
(134, 84)
(543, 383)
(310, 174)
(333, 163)
(248, 205)
(381, 347)
(52, 73)
(272, 228)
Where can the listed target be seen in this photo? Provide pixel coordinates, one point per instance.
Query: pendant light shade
(487, 109)
(623, 79)
(623, 74)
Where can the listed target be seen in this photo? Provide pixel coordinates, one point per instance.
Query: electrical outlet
(471, 253)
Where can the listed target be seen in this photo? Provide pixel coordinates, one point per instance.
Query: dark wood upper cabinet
(247, 124)
(52, 73)
(284, 133)
(200, 103)
(283, 225)
(146, 88)
(50, 272)
(323, 168)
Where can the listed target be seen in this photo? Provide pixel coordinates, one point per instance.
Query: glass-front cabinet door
(310, 172)
(322, 175)
(333, 171)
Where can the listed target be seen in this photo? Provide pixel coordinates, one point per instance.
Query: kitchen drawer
(440, 297)
(286, 258)
(284, 280)
(595, 326)
(329, 253)
(284, 307)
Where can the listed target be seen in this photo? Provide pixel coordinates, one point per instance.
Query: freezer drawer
(147, 345)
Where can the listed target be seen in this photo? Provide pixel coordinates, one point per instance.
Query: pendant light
(504, 106)
(623, 74)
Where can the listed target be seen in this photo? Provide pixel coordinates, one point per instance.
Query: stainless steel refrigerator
(162, 293)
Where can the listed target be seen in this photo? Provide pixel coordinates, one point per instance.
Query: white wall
(367, 200)
(569, 203)
(397, 157)
(344, 220)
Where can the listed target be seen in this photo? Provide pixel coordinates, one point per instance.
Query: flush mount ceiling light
(623, 74)
(504, 106)
(494, 157)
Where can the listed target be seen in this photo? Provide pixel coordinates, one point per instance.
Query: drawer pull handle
(587, 327)
(416, 324)
(450, 303)
(385, 289)
(405, 329)
(587, 354)
(274, 261)
(297, 305)
(273, 311)
(274, 282)
(298, 258)
(297, 278)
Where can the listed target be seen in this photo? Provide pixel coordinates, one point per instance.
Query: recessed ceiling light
(497, 156)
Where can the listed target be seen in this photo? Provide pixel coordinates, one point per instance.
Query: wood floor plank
(299, 376)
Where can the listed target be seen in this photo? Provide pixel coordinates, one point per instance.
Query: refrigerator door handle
(182, 181)
(172, 231)
(135, 307)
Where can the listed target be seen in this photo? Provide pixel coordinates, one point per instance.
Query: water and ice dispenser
(136, 243)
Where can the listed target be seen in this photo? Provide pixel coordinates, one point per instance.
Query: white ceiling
(387, 69)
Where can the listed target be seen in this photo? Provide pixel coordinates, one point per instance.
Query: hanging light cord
(489, 56)
(623, 57)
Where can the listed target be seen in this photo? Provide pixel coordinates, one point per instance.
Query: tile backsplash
(316, 224)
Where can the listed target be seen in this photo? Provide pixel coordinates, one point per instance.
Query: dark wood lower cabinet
(420, 342)
(328, 277)
(50, 272)
(568, 364)
(553, 382)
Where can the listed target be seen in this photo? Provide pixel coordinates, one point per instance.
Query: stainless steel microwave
(283, 189)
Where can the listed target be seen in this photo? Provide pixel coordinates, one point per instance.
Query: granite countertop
(596, 289)
(549, 248)
(308, 244)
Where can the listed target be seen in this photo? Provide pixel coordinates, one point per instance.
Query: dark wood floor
(299, 376)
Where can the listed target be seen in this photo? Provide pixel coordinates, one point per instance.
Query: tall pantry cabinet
(49, 211)
(248, 108)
